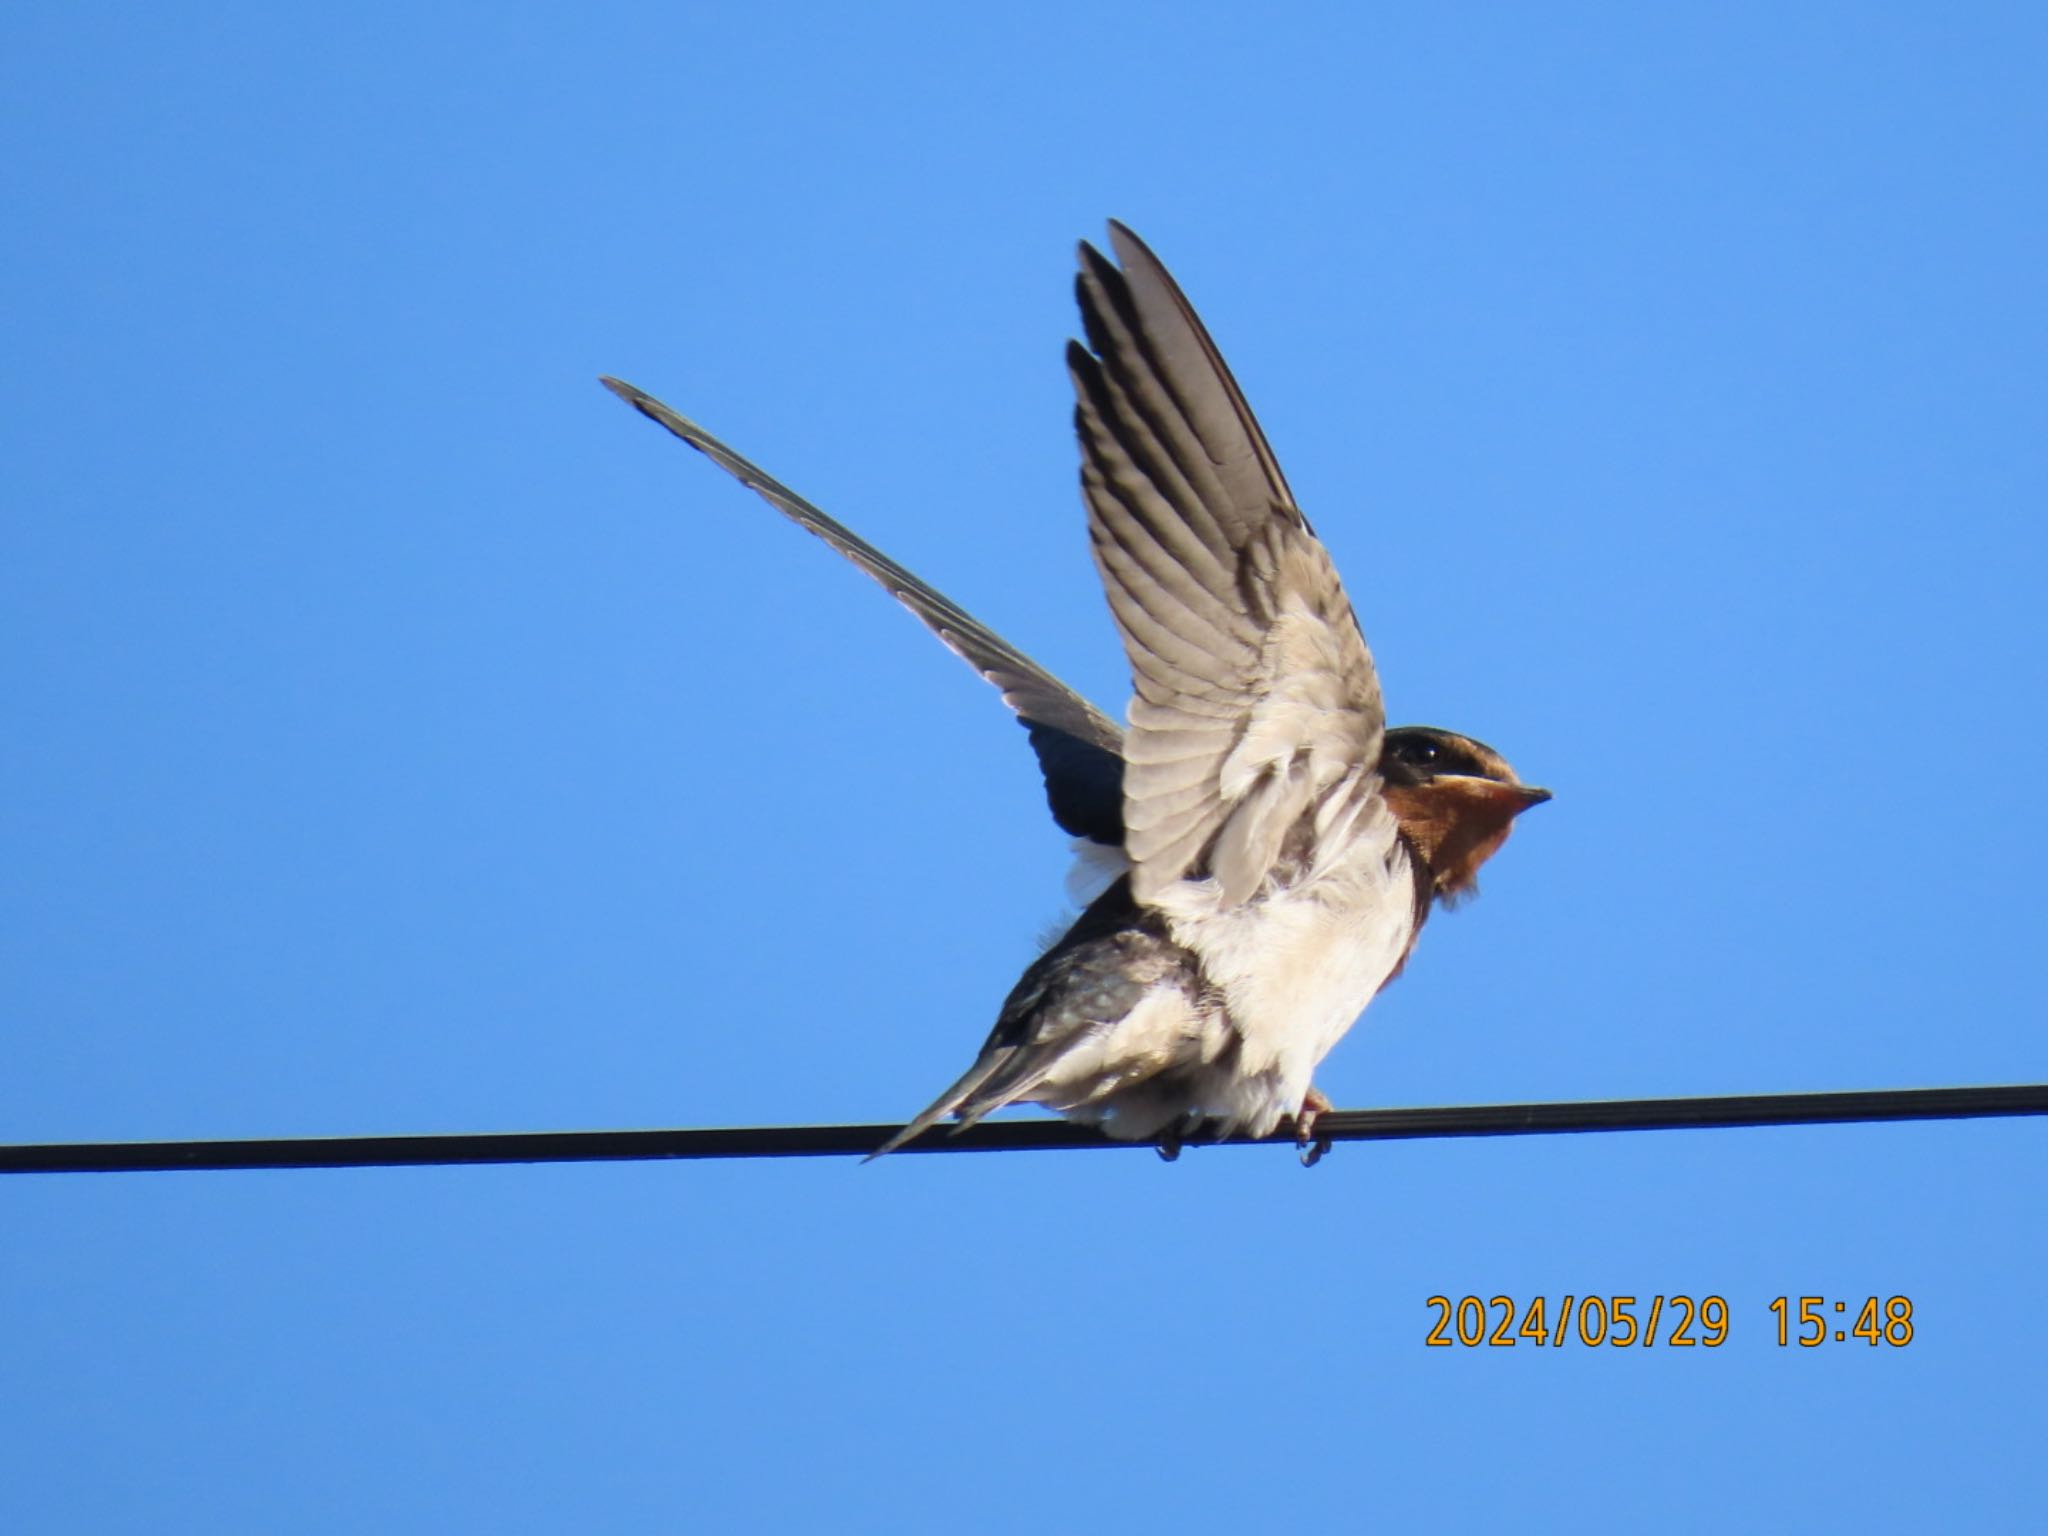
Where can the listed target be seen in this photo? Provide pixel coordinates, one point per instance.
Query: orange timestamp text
(1675, 1321)
(1618, 1322)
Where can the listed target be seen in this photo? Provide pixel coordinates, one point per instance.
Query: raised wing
(1256, 700)
(1079, 747)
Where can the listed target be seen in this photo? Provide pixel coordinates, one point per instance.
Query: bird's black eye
(1432, 754)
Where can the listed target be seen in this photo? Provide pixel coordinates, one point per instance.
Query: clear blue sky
(397, 734)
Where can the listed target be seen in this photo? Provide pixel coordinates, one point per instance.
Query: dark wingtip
(670, 421)
(906, 1136)
(1125, 242)
(639, 399)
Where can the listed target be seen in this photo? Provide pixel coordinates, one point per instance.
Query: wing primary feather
(1167, 312)
(1254, 693)
(1078, 747)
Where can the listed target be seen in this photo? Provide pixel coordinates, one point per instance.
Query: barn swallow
(1275, 847)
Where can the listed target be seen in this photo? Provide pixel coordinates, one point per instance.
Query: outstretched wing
(1078, 746)
(1256, 700)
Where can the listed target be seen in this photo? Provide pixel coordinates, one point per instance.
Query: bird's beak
(1494, 798)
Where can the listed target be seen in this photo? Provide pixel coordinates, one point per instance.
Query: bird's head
(1455, 798)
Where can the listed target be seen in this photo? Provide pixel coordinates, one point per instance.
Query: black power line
(1017, 1135)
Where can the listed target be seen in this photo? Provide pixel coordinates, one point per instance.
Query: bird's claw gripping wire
(1307, 1141)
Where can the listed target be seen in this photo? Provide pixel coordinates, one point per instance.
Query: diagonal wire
(1018, 1135)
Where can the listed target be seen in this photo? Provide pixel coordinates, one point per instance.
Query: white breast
(1298, 964)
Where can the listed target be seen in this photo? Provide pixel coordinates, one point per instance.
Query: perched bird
(1276, 848)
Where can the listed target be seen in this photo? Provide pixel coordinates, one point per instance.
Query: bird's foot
(1310, 1145)
(1177, 1135)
